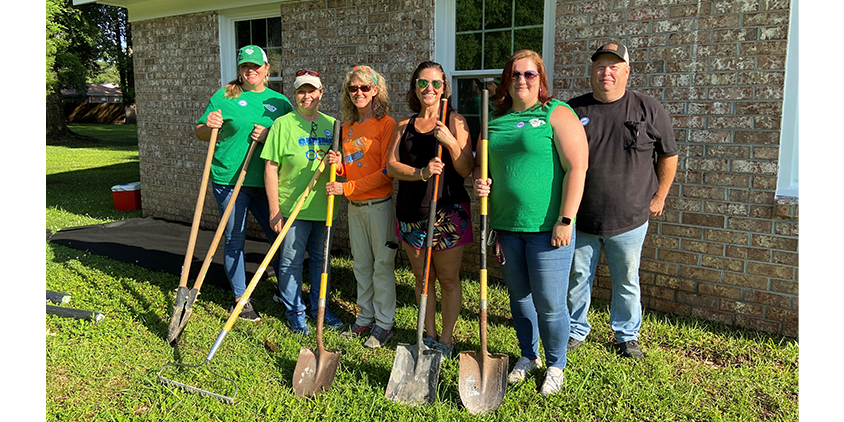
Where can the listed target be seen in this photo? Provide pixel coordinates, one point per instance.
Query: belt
(370, 201)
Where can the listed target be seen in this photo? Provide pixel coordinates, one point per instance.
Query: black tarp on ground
(160, 245)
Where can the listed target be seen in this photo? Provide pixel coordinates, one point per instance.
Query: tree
(78, 40)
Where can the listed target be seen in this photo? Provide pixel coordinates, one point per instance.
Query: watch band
(564, 220)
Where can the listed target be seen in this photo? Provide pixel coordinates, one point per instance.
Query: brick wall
(177, 69)
(726, 248)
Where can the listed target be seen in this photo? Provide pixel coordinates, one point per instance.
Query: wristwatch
(564, 220)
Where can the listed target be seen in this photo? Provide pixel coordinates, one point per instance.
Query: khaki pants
(371, 228)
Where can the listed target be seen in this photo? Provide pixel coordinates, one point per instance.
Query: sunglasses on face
(362, 88)
(530, 75)
(423, 83)
(309, 72)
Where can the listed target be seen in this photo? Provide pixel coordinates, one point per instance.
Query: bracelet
(422, 174)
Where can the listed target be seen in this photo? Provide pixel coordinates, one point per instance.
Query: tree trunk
(57, 130)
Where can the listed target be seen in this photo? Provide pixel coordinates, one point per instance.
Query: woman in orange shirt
(366, 134)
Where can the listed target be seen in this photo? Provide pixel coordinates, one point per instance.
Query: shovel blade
(483, 381)
(414, 379)
(314, 371)
(173, 329)
(186, 311)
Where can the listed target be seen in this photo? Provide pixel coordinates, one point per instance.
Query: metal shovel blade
(414, 379)
(173, 329)
(483, 381)
(315, 371)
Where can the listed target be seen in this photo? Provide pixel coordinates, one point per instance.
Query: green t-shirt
(239, 117)
(298, 150)
(524, 165)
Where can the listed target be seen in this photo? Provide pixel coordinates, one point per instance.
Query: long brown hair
(413, 101)
(504, 101)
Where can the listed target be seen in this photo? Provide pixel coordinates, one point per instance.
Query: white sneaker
(554, 379)
(523, 366)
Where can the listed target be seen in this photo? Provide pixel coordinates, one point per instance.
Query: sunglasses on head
(423, 83)
(362, 88)
(530, 75)
(309, 72)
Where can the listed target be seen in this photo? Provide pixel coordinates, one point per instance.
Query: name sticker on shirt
(537, 122)
(270, 107)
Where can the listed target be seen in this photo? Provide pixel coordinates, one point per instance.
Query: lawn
(694, 370)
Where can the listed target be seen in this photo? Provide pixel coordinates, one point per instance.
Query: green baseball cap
(251, 54)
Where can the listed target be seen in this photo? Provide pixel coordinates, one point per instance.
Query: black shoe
(630, 349)
(378, 338)
(248, 313)
(573, 344)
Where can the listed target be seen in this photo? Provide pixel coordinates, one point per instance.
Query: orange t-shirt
(365, 149)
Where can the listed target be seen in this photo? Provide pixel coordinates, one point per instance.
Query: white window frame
(445, 26)
(788, 174)
(227, 19)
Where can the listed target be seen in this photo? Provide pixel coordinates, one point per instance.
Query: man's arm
(666, 167)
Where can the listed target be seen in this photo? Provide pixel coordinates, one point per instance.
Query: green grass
(694, 370)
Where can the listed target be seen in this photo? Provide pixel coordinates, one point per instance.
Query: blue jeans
(249, 199)
(303, 236)
(623, 252)
(536, 276)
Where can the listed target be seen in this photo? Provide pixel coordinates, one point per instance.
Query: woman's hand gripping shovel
(187, 306)
(240, 304)
(483, 376)
(315, 369)
(175, 327)
(416, 370)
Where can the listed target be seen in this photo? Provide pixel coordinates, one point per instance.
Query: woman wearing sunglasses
(413, 161)
(538, 158)
(366, 135)
(295, 146)
(242, 111)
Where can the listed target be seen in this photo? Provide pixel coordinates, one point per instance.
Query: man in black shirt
(632, 162)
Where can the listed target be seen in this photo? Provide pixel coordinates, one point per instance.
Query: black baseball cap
(618, 50)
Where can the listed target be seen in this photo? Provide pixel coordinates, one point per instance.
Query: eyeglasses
(362, 88)
(423, 83)
(309, 72)
(313, 130)
(530, 75)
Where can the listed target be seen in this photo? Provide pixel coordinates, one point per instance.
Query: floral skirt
(453, 228)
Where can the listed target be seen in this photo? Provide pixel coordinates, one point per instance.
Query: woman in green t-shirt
(242, 111)
(295, 147)
(538, 158)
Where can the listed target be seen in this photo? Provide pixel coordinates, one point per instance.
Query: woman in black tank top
(413, 162)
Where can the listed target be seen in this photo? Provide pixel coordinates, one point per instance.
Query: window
(258, 25)
(787, 177)
(476, 37)
(265, 33)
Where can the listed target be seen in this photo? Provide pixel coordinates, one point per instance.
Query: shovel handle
(432, 211)
(197, 212)
(326, 253)
(483, 150)
(221, 228)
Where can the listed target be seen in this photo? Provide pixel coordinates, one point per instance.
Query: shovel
(416, 370)
(240, 304)
(182, 293)
(173, 336)
(315, 370)
(483, 376)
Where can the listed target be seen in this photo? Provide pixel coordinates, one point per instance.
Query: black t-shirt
(413, 200)
(624, 138)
